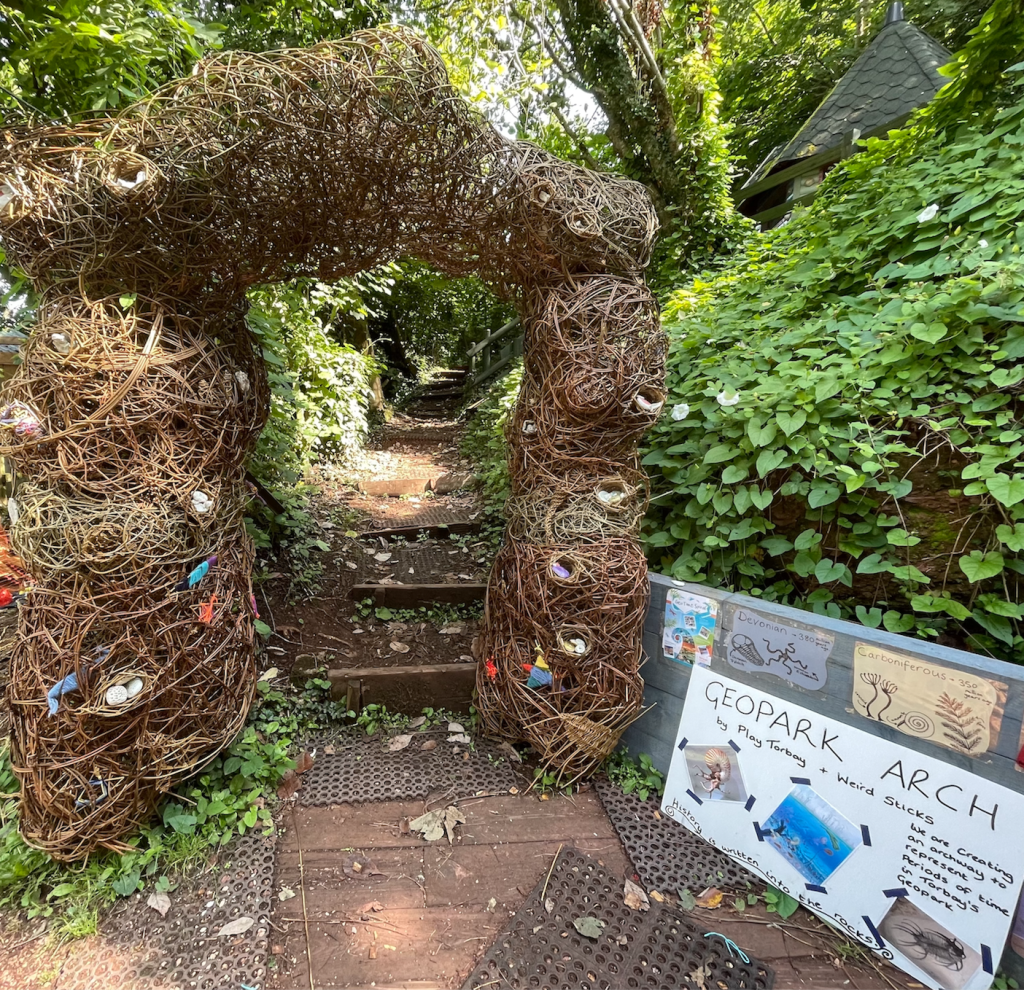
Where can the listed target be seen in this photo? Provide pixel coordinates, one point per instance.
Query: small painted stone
(117, 694)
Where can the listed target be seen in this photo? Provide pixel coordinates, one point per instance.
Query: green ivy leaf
(262, 628)
(776, 545)
(762, 498)
(768, 461)
(874, 564)
(896, 622)
(822, 495)
(978, 566)
(826, 571)
(934, 603)
(791, 422)
(719, 453)
(997, 625)
(734, 473)
(930, 334)
(1007, 491)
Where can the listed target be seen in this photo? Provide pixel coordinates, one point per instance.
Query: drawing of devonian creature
(961, 728)
(784, 656)
(746, 649)
(880, 684)
(926, 943)
(719, 770)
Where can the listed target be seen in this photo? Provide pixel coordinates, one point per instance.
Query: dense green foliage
(844, 422)
(484, 439)
(322, 389)
(432, 320)
(66, 58)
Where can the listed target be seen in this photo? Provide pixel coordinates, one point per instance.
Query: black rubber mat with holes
(659, 949)
(354, 768)
(405, 515)
(665, 855)
(140, 950)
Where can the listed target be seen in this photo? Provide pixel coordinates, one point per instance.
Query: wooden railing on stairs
(495, 352)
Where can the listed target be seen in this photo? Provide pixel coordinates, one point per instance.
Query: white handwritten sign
(919, 860)
(796, 653)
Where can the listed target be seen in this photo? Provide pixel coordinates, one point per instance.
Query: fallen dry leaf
(359, 867)
(655, 896)
(237, 927)
(399, 742)
(285, 894)
(159, 902)
(270, 674)
(590, 927)
(429, 745)
(417, 722)
(435, 824)
(289, 631)
(460, 738)
(399, 647)
(456, 727)
(461, 872)
(328, 750)
(304, 763)
(289, 785)
(710, 898)
(382, 557)
(371, 906)
(634, 897)
(700, 976)
(549, 905)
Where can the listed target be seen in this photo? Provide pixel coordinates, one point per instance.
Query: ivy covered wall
(845, 423)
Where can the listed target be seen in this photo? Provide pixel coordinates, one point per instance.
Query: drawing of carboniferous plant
(961, 727)
(881, 686)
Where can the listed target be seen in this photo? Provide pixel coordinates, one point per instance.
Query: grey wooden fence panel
(666, 681)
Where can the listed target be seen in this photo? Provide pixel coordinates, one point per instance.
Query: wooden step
(396, 486)
(415, 595)
(407, 690)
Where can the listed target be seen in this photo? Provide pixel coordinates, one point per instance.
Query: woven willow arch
(142, 394)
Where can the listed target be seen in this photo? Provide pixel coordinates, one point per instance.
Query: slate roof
(895, 74)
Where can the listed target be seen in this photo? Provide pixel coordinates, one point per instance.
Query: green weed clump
(845, 426)
(484, 440)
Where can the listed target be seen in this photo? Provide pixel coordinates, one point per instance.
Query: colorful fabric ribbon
(197, 575)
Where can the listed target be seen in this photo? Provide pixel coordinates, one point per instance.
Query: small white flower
(680, 412)
(928, 213)
(983, 243)
(727, 397)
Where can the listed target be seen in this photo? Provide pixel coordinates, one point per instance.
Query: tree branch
(575, 136)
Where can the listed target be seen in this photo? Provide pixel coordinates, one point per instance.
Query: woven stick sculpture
(142, 395)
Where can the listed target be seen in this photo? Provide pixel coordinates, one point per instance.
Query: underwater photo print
(810, 834)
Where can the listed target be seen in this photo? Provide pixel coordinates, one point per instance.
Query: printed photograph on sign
(810, 834)
(715, 773)
(952, 708)
(929, 945)
(689, 632)
(797, 654)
